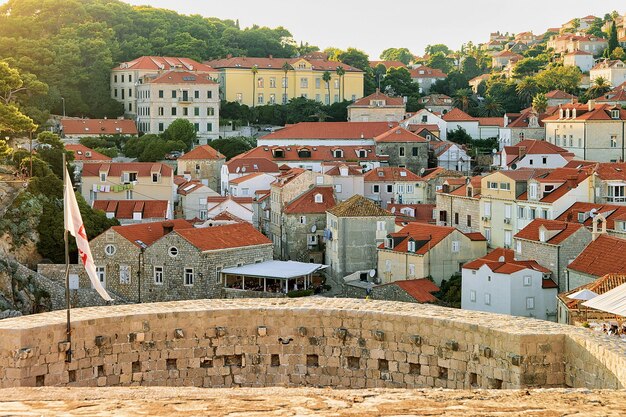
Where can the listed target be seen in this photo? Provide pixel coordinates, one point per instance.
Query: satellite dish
(513, 166)
(593, 212)
(372, 273)
(393, 209)
(494, 151)
(238, 169)
(243, 169)
(422, 171)
(313, 229)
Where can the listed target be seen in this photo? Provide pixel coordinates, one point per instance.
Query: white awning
(613, 301)
(275, 269)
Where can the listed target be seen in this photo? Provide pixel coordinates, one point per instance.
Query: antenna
(422, 171)
(372, 273)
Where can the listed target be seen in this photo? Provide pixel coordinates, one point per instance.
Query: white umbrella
(584, 295)
(613, 301)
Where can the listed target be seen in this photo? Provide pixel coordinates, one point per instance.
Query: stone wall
(413, 160)
(311, 341)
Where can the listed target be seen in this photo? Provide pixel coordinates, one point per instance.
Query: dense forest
(71, 46)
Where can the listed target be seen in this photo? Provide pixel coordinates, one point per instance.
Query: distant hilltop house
(564, 43)
(613, 71)
(258, 81)
(377, 107)
(74, 129)
(581, 59)
(426, 77)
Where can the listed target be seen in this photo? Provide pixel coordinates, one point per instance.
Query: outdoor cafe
(271, 276)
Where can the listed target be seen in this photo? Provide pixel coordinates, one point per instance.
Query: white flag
(74, 225)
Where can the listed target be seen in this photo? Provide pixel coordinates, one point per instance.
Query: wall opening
(136, 367)
(71, 375)
(275, 360)
(383, 365)
(170, 364)
(312, 360)
(206, 363)
(443, 372)
(40, 380)
(415, 368)
(100, 371)
(354, 362)
(233, 360)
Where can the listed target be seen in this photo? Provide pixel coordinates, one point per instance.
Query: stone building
(304, 222)
(192, 199)
(202, 163)
(433, 181)
(135, 211)
(355, 227)
(554, 244)
(377, 107)
(172, 260)
(389, 185)
(460, 206)
(405, 149)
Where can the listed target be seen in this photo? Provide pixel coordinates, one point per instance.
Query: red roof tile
(598, 112)
(332, 130)
(605, 255)
(244, 164)
(491, 121)
(224, 237)
(389, 101)
(609, 211)
(601, 285)
(565, 230)
(115, 169)
(245, 178)
(78, 127)
(398, 134)
(124, 209)
(476, 236)
(559, 94)
(427, 72)
(458, 115)
(180, 77)
(188, 187)
(390, 174)
(318, 153)
(149, 233)
(387, 64)
(81, 152)
(420, 289)
(163, 63)
(277, 63)
(306, 204)
(202, 152)
(503, 261)
(426, 236)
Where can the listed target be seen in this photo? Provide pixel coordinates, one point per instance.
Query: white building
(248, 185)
(450, 156)
(497, 283)
(614, 71)
(241, 167)
(532, 154)
(192, 197)
(457, 118)
(425, 117)
(581, 59)
(175, 95)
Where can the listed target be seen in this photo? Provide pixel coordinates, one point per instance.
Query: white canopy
(583, 294)
(275, 269)
(613, 301)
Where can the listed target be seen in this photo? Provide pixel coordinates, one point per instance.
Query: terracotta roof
(436, 100)
(599, 112)
(491, 121)
(559, 94)
(578, 52)
(124, 209)
(504, 54)
(202, 152)
(523, 119)
(163, 63)
(613, 96)
(611, 170)
(476, 236)
(437, 172)
(332, 130)
(398, 134)
(534, 147)
(605, 255)
(224, 237)
(387, 64)
(563, 229)
(418, 127)
(251, 164)
(277, 63)
(149, 233)
(480, 78)
(462, 190)
(98, 127)
(179, 77)
(608, 63)
(220, 199)
(322, 153)
(188, 187)
(502, 261)
(306, 204)
(245, 178)
(143, 169)
(352, 170)
(524, 174)
(286, 177)
(227, 216)
(601, 285)
(358, 206)
(419, 289)
(391, 174)
(389, 101)
(458, 115)
(81, 152)
(422, 212)
(426, 237)
(609, 211)
(427, 72)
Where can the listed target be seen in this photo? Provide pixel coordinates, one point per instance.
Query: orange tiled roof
(306, 204)
(605, 255)
(427, 72)
(224, 237)
(423, 212)
(391, 174)
(503, 261)
(242, 163)
(149, 233)
(601, 285)
(277, 63)
(599, 112)
(352, 170)
(163, 63)
(245, 178)
(398, 134)
(98, 127)
(420, 289)
(358, 206)
(565, 230)
(458, 115)
(387, 64)
(322, 153)
(143, 169)
(80, 153)
(188, 187)
(559, 94)
(180, 77)
(332, 130)
(124, 209)
(426, 237)
(491, 121)
(389, 101)
(610, 211)
(202, 152)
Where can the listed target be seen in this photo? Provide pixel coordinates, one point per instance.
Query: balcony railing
(612, 199)
(185, 99)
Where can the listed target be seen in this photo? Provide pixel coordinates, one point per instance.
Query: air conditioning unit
(507, 221)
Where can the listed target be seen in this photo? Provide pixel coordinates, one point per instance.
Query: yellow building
(260, 81)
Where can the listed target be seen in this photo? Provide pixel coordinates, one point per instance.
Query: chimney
(271, 57)
(574, 113)
(595, 233)
(229, 56)
(591, 104)
(377, 90)
(560, 113)
(167, 227)
(522, 151)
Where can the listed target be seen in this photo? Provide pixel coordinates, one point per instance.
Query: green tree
(397, 54)
(355, 58)
(340, 73)
(464, 99)
(527, 89)
(255, 71)
(618, 53)
(231, 147)
(528, 66)
(559, 78)
(469, 68)
(504, 93)
(286, 67)
(613, 41)
(439, 61)
(12, 120)
(326, 77)
(398, 82)
(437, 48)
(540, 103)
(181, 130)
(490, 108)
(595, 28)
(51, 151)
(332, 53)
(599, 87)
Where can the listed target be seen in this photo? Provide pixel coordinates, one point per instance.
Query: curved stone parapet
(321, 342)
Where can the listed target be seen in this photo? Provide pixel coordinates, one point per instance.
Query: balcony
(185, 99)
(613, 199)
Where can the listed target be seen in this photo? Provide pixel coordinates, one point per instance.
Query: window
(492, 185)
(160, 93)
(544, 160)
(103, 176)
(518, 247)
(410, 188)
(469, 220)
(272, 82)
(544, 214)
(362, 153)
(401, 150)
(259, 82)
(520, 212)
(456, 218)
(414, 151)
(173, 93)
(101, 274)
(209, 94)
(110, 250)
(380, 225)
(400, 188)
(158, 275)
(338, 188)
(272, 98)
(209, 127)
(173, 251)
(488, 234)
(533, 213)
(425, 118)
(318, 83)
(129, 194)
(505, 186)
(487, 209)
(613, 141)
(185, 111)
(411, 246)
(304, 83)
(456, 246)
(411, 270)
(115, 78)
(487, 299)
(173, 111)
(528, 281)
(260, 98)
(124, 274)
(507, 211)
(302, 220)
(390, 188)
(196, 111)
(155, 177)
(239, 97)
(532, 191)
(189, 277)
(161, 127)
(319, 181)
(115, 92)
(196, 127)
(530, 303)
(507, 238)
(473, 296)
(376, 188)
(161, 111)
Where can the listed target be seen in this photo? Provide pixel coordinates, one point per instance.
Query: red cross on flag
(74, 225)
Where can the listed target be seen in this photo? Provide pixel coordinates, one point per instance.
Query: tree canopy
(397, 54)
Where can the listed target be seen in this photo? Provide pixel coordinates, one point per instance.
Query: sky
(373, 26)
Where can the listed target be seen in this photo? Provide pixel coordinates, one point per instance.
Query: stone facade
(298, 240)
(466, 209)
(554, 257)
(412, 155)
(207, 171)
(315, 342)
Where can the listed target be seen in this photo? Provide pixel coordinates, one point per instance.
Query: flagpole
(68, 355)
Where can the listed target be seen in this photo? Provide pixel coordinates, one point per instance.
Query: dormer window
(411, 246)
(542, 235)
(381, 174)
(403, 173)
(361, 153)
(337, 153)
(532, 191)
(103, 176)
(388, 243)
(319, 198)
(155, 177)
(615, 114)
(278, 153)
(304, 153)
